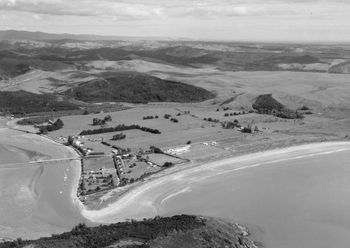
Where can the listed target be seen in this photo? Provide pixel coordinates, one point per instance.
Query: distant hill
(26, 35)
(137, 88)
(183, 231)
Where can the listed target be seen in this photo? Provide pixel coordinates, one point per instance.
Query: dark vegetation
(22, 102)
(99, 122)
(211, 120)
(103, 236)
(155, 149)
(231, 124)
(34, 120)
(150, 117)
(119, 128)
(168, 165)
(236, 113)
(58, 124)
(266, 104)
(11, 67)
(174, 120)
(119, 136)
(136, 88)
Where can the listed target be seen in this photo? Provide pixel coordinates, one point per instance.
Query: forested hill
(183, 231)
(137, 88)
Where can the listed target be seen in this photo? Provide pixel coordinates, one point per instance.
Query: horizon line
(186, 39)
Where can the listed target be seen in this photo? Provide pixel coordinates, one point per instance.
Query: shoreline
(304, 150)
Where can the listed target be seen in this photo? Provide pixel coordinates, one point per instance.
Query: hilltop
(166, 232)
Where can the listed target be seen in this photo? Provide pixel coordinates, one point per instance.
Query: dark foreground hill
(169, 232)
(137, 88)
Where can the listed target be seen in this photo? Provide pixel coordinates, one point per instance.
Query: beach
(42, 196)
(307, 197)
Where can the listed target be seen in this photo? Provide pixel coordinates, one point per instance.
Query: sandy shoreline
(122, 206)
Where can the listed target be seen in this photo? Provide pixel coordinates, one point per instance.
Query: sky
(235, 20)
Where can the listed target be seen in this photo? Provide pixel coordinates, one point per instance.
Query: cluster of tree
(211, 120)
(231, 124)
(22, 102)
(285, 113)
(238, 113)
(155, 149)
(119, 136)
(168, 165)
(100, 122)
(58, 124)
(306, 110)
(174, 120)
(150, 117)
(107, 235)
(167, 116)
(249, 129)
(34, 120)
(119, 128)
(105, 143)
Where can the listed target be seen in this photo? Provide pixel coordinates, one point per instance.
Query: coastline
(253, 160)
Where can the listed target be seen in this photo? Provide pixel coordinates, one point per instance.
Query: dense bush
(104, 236)
(137, 88)
(58, 124)
(98, 122)
(119, 136)
(34, 120)
(168, 164)
(150, 117)
(23, 102)
(119, 128)
(156, 149)
(167, 116)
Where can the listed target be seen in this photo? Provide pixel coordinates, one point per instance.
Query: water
(288, 200)
(298, 197)
(35, 199)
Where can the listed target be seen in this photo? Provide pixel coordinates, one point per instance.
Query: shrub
(119, 136)
(168, 164)
(304, 107)
(108, 118)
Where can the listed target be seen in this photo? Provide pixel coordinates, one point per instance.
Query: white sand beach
(307, 199)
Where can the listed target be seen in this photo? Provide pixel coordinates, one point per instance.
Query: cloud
(155, 9)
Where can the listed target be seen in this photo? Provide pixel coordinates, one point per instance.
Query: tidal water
(296, 203)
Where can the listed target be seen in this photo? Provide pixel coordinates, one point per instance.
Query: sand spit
(139, 202)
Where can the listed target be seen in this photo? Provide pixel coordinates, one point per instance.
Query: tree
(70, 140)
(108, 118)
(168, 164)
